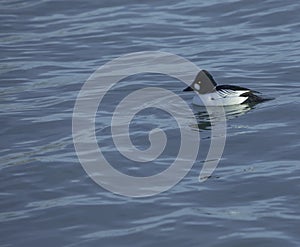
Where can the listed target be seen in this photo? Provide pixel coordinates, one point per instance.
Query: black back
(234, 88)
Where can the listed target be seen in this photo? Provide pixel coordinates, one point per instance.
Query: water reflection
(204, 119)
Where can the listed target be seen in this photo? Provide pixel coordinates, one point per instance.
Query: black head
(203, 83)
(210, 77)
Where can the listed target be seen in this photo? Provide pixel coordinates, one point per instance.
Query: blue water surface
(50, 48)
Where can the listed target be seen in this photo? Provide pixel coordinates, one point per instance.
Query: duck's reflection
(205, 120)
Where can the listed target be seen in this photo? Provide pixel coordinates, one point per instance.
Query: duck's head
(203, 83)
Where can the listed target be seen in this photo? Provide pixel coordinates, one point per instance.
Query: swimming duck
(212, 94)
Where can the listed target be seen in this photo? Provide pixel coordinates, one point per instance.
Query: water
(50, 48)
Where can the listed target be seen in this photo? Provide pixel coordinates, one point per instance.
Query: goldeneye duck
(223, 95)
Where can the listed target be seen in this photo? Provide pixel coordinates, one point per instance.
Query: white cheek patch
(197, 86)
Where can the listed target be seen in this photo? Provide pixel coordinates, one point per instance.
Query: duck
(208, 93)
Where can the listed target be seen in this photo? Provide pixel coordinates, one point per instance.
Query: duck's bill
(188, 89)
